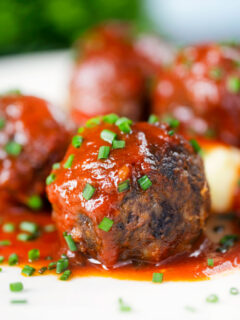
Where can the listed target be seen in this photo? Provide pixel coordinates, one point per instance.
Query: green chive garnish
(93, 122)
(123, 307)
(77, 141)
(195, 145)
(16, 286)
(50, 228)
(70, 242)
(228, 240)
(2, 259)
(13, 259)
(157, 277)
(124, 186)
(24, 237)
(2, 123)
(210, 262)
(234, 291)
(110, 118)
(50, 179)
(35, 202)
(105, 224)
(171, 132)
(80, 130)
(153, 119)
(52, 265)
(124, 124)
(18, 301)
(68, 163)
(216, 73)
(4, 243)
(118, 144)
(65, 276)
(28, 271)
(145, 182)
(28, 226)
(62, 265)
(8, 227)
(173, 123)
(56, 166)
(108, 135)
(103, 152)
(33, 255)
(42, 270)
(88, 191)
(13, 148)
(213, 298)
(233, 84)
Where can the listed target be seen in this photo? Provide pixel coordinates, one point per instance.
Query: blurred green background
(29, 25)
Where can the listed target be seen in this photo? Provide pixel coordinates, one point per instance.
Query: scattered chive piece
(2, 123)
(77, 141)
(35, 202)
(110, 118)
(124, 124)
(93, 122)
(228, 241)
(88, 191)
(124, 186)
(66, 274)
(210, 262)
(49, 228)
(118, 144)
(16, 286)
(18, 301)
(103, 152)
(234, 291)
(105, 224)
(233, 84)
(123, 307)
(80, 130)
(13, 259)
(157, 277)
(191, 309)
(42, 270)
(4, 243)
(195, 145)
(213, 298)
(68, 163)
(70, 242)
(216, 73)
(28, 226)
(8, 227)
(153, 119)
(13, 92)
(145, 182)
(28, 271)
(2, 259)
(52, 265)
(108, 135)
(171, 132)
(13, 148)
(56, 166)
(24, 237)
(0, 269)
(173, 123)
(33, 255)
(50, 179)
(62, 265)
(64, 256)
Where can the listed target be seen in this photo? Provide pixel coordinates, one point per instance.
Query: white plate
(47, 75)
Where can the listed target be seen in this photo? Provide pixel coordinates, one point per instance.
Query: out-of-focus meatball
(32, 138)
(107, 76)
(202, 89)
(129, 191)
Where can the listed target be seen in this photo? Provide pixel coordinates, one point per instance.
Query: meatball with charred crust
(107, 76)
(202, 90)
(129, 191)
(32, 138)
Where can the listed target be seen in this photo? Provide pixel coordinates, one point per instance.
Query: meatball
(129, 191)
(32, 138)
(202, 90)
(107, 76)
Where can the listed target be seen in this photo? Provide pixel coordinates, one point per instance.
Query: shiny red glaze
(188, 91)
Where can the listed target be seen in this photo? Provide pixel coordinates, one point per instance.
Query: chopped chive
(13, 259)
(157, 277)
(228, 241)
(52, 265)
(18, 301)
(0, 269)
(4, 243)
(50, 179)
(64, 256)
(56, 166)
(28, 271)
(195, 145)
(153, 119)
(171, 132)
(77, 141)
(33, 255)
(35, 202)
(65, 276)
(118, 144)
(210, 262)
(70, 242)
(80, 130)
(8, 227)
(2, 123)
(110, 118)
(88, 191)
(103, 152)
(68, 163)
(233, 84)
(2, 259)
(105, 224)
(173, 123)
(190, 308)
(123, 307)
(16, 286)
(234, 291)
(108, 135)
(42, 270)
(24, 237)
(93, 122)
(124, 124)
(62, 265)
(49, 228)
(145, 182)
(28, 226)
(13, 148)
(213, 298)
(124, 186)
(216, 73)
(13, 92)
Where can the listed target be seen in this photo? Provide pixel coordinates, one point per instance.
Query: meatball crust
(32, 138)
(202, 90)
(149, 221)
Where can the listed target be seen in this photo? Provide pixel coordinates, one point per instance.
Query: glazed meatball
(107, 76)
(129, 191)
(32, 138)
(202, 89)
